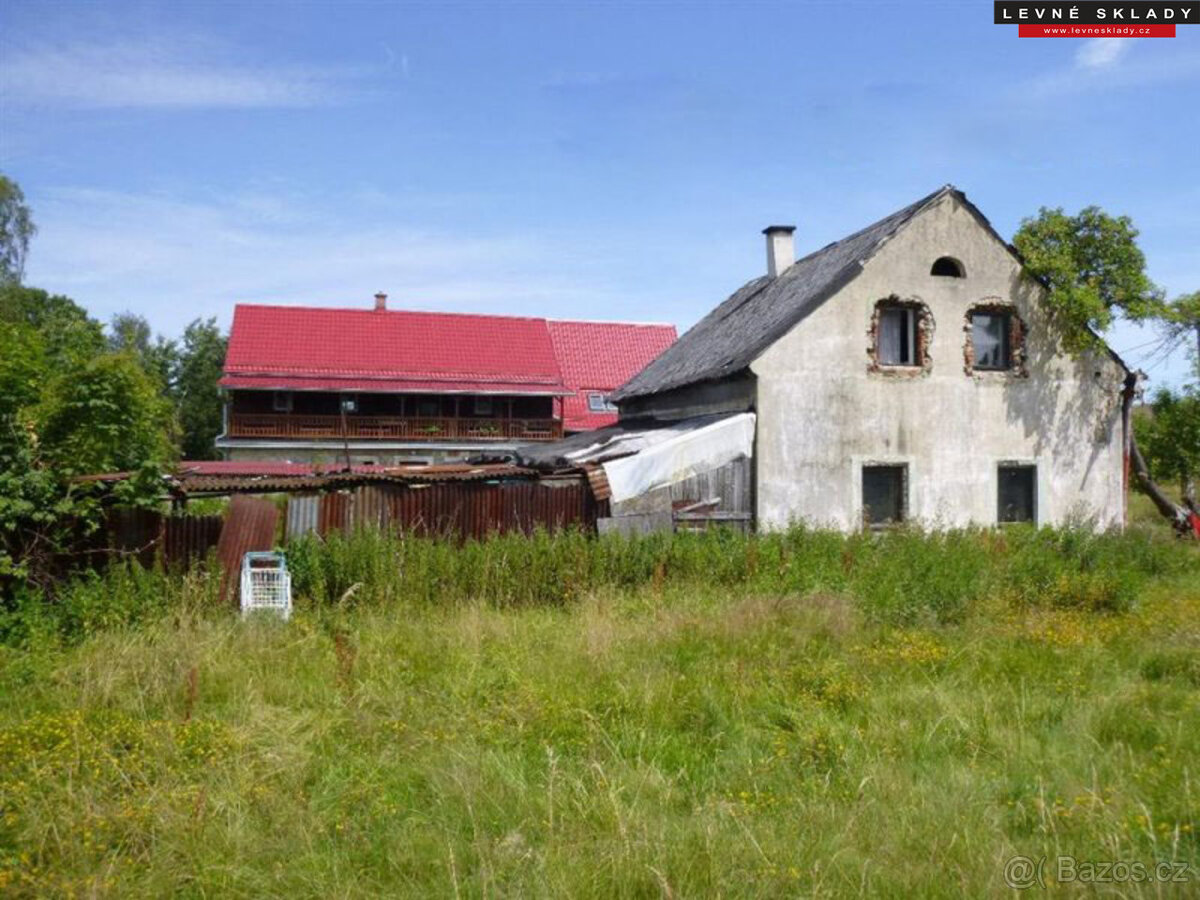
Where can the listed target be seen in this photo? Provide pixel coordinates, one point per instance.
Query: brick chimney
(380, 301)
(781, 251)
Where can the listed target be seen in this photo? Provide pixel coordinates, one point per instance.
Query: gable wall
(822, 414)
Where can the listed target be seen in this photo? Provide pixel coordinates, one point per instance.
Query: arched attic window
(948, 267)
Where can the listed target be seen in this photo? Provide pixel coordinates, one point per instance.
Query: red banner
(1094, 31)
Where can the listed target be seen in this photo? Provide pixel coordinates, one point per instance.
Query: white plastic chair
(266, 584)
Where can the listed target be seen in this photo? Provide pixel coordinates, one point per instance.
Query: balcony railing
(391, 428)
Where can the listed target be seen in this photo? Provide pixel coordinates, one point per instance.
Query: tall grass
(795, 715)
(898, 577)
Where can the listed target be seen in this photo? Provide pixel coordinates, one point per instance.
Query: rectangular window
(281, 401)
(428, 408)
(989, 336)
(483, 406)
(883, 494)
(1016, 494)
(897, 336)
(599, 403)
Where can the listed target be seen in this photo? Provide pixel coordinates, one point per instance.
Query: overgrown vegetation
(903, 577)
(1095, 273)
(790, 715)
(75, 400)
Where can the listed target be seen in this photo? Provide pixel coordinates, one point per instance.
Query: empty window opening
(897, 336)
(884, 490)
(948, 267)
(990, 338)
(1016, 493)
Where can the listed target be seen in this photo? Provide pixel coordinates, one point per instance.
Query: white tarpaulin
(681, 456)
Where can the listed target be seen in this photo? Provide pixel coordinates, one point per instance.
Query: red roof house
(304, 349)
(596, 358)
(308, 384)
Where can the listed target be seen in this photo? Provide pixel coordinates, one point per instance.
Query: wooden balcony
(390, 428)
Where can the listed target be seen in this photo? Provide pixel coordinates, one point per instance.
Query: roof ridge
(755, 315)
(375, 312)
(613, 322)
(905, 211)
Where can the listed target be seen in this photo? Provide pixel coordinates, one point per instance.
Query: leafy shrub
(125, 594)
(1075, 567)
(906, 576)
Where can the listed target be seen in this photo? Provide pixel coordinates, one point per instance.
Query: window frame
(908, 336)
(902, 469)
(1017, 466)
(1006, 317)
(597, 402)
(917, 327)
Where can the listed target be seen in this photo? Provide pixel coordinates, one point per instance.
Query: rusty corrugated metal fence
(250, 524)
(145, 533)
(450, 509)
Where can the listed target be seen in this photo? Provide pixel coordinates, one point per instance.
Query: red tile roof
(599, 357)
(385, 385)
(312, 348)
(309, 348)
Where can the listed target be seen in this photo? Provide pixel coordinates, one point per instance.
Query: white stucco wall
(822, 414)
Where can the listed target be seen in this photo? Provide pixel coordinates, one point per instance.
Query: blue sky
(612, 160)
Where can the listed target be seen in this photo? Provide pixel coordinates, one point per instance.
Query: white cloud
(1101, 53)
(1106, 64)
(173, 260)
(161, 74)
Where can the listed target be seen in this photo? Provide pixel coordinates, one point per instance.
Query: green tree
(103, 414)
(200, 364)
(108, 415)
(16, 229)
(68, 406)
(22, 367)
(1170, 439)
(1181, 324)
(1094, 269)
(67, 333)
(130, 333)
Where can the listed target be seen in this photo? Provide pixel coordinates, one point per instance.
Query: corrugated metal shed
(460, 510)
(247, 483)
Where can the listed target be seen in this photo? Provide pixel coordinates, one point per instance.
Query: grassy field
(785, 726)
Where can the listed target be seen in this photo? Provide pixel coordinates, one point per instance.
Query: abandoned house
(382, 386)
(906, 372)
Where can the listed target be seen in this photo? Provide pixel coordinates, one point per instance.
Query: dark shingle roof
(760, 312)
